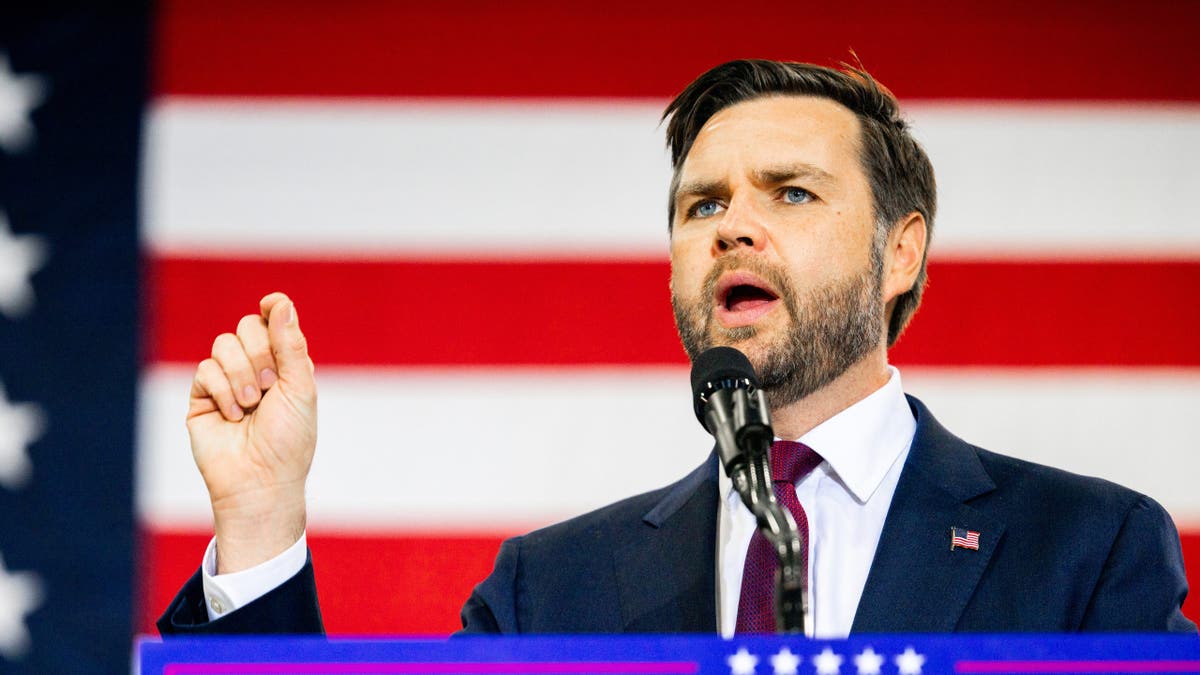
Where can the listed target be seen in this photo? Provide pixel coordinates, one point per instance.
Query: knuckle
(262, 360)
(212, 379)
(260, 354)
(207, 369)
(249, 324)
(223, 343)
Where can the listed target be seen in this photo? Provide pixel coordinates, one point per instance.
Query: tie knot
(791, 461)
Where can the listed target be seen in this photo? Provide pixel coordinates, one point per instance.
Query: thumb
(288, 344)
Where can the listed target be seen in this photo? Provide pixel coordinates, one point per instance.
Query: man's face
(774, 248)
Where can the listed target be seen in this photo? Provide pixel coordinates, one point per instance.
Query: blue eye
(795, 195)
(706, 209)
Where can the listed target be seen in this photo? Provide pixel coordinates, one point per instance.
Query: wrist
(253, 529)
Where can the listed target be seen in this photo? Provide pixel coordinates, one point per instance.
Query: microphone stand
(741, 424)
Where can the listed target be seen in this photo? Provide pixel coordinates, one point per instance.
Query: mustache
(773, 273)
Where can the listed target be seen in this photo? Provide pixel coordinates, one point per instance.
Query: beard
(829, 327)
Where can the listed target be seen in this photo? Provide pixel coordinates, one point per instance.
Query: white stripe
(409, 178)
(490, 178)
(510, 448)
(1041, 181)
(454, 448)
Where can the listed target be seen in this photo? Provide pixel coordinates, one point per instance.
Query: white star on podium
(20, 594)
(20, 425)
(742, 662)
(827, 662)
(785, 662)
(868, 662)
(19, 95)
(20, 256)
(910, 662)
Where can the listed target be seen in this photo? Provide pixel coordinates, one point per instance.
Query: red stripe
(398, 583)
(477, 313)
(395, 583)
(426, 313)
(1105, 50)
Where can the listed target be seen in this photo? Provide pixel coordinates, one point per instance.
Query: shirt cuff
(224, 593)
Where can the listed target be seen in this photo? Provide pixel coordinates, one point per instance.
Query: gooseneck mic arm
(731, 406)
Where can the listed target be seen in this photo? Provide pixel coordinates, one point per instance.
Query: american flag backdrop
(466, 200)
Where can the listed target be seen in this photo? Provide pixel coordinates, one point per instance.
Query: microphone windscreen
(719, 368)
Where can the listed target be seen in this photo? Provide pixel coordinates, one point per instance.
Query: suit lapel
(917, 583)
(665, 575)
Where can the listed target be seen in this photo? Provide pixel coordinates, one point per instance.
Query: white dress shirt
(224, 593)
(846, 498)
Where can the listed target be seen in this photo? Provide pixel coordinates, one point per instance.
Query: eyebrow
(703, 188)
(769, 176)
(789, 172)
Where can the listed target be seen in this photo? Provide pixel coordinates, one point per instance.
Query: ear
(904, 255)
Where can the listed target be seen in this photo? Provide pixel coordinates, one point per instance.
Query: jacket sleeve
(1142, 585)
(291, 608)
(492, 607)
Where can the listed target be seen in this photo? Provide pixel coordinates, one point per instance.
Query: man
(800, 212)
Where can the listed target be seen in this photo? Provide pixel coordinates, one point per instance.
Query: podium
(674, 655)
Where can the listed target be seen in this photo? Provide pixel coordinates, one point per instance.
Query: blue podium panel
(653, 655)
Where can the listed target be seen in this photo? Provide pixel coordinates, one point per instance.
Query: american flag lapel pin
(961, 537)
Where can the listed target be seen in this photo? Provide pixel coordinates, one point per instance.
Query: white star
(827, 662)
(868, 662)
(910, 662)
(19, 95)
(742, 663)
(20, 425)
(785, 662)
(20, 594)
(20, 257)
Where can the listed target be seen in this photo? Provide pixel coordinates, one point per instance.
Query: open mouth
(742, 298)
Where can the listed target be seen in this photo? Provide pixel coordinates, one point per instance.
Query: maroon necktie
(790, 461)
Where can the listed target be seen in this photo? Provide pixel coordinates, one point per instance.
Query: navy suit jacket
(1057, 552)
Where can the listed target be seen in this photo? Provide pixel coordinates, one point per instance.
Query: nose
(741, 227)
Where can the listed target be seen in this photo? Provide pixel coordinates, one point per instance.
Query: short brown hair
(897, 168)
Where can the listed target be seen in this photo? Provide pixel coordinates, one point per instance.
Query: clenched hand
(252, 419)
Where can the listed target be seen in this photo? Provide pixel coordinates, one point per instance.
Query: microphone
(731, 406)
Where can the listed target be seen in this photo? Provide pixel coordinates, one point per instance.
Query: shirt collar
(862, 442)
